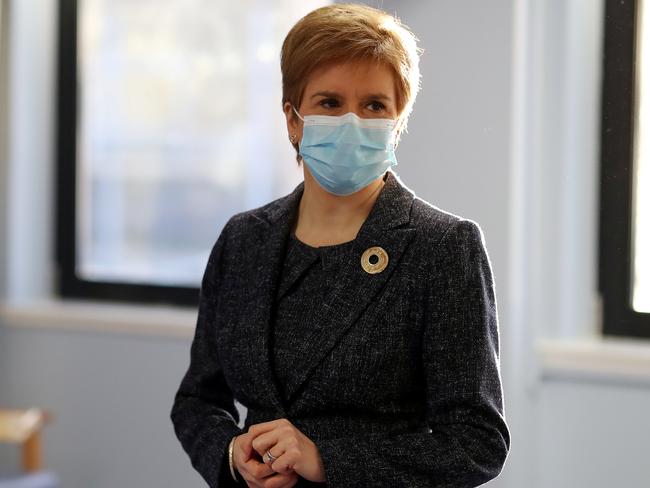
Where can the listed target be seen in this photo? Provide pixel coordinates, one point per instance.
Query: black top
(307, 274)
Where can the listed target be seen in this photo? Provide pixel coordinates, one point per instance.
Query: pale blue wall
(468, 147)
(593, 434)
(110, 395)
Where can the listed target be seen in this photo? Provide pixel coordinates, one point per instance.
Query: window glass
(180, 126)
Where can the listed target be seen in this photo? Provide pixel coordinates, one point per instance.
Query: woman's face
(363, 87)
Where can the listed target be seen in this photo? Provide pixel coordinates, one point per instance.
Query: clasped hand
(295, 455)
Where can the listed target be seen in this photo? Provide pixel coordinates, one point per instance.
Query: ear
(294, 124)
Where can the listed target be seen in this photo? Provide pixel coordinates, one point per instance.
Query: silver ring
(271, 456)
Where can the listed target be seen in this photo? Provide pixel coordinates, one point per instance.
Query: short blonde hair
(344, 32)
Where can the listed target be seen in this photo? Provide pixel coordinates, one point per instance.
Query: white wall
(3, 133)
(505, 131)
(31, 88)
(110, 392)
(593, 433)
(110, 395)
(591, 426)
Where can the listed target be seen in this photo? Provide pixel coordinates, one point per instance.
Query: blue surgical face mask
(346, 153)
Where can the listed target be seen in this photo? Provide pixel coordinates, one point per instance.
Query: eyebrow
(379, 96)
(376, 96)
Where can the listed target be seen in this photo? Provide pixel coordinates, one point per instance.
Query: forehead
(352, 78)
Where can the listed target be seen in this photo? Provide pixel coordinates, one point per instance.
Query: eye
(376, 106)
(329, 103)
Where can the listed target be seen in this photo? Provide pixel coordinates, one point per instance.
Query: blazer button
(374, 260)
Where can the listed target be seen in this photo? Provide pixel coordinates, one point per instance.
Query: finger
(287, 461)
(291, 480)
(281, 481)
(266, 441)
(243, 446)
(244, 452)
(282, 463)
(251, 481)
(257, 469)
(257, 429)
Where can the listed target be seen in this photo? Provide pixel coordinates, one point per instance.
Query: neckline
(326, 248)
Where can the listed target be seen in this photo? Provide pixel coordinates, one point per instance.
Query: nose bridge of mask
(349, 118)
(349, 129)
(336, 134)
(346, 136)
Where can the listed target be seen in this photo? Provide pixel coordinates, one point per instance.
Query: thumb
(245, 443)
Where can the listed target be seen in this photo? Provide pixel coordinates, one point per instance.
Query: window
(169, 122)
(624, 278)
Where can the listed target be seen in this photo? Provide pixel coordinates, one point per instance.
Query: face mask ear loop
(397, 131)
(299, 116)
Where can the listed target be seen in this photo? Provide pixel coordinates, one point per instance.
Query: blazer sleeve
(468, 439)
(204, 414)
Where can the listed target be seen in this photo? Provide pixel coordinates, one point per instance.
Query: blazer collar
(385, 226)
(391, 208)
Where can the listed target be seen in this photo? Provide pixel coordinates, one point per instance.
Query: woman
(356, 322)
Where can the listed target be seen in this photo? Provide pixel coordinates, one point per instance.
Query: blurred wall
(588, 406)
(3, 177)
(3, 136)
(504, 132)
(112, 393)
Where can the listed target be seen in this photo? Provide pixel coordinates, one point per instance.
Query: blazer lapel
(356, 289)
(273, 224)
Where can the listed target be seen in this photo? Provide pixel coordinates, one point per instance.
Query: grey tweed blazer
(399, 384)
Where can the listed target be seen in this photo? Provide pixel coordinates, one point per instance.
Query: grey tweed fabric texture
(307, 279)
(395, 376)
